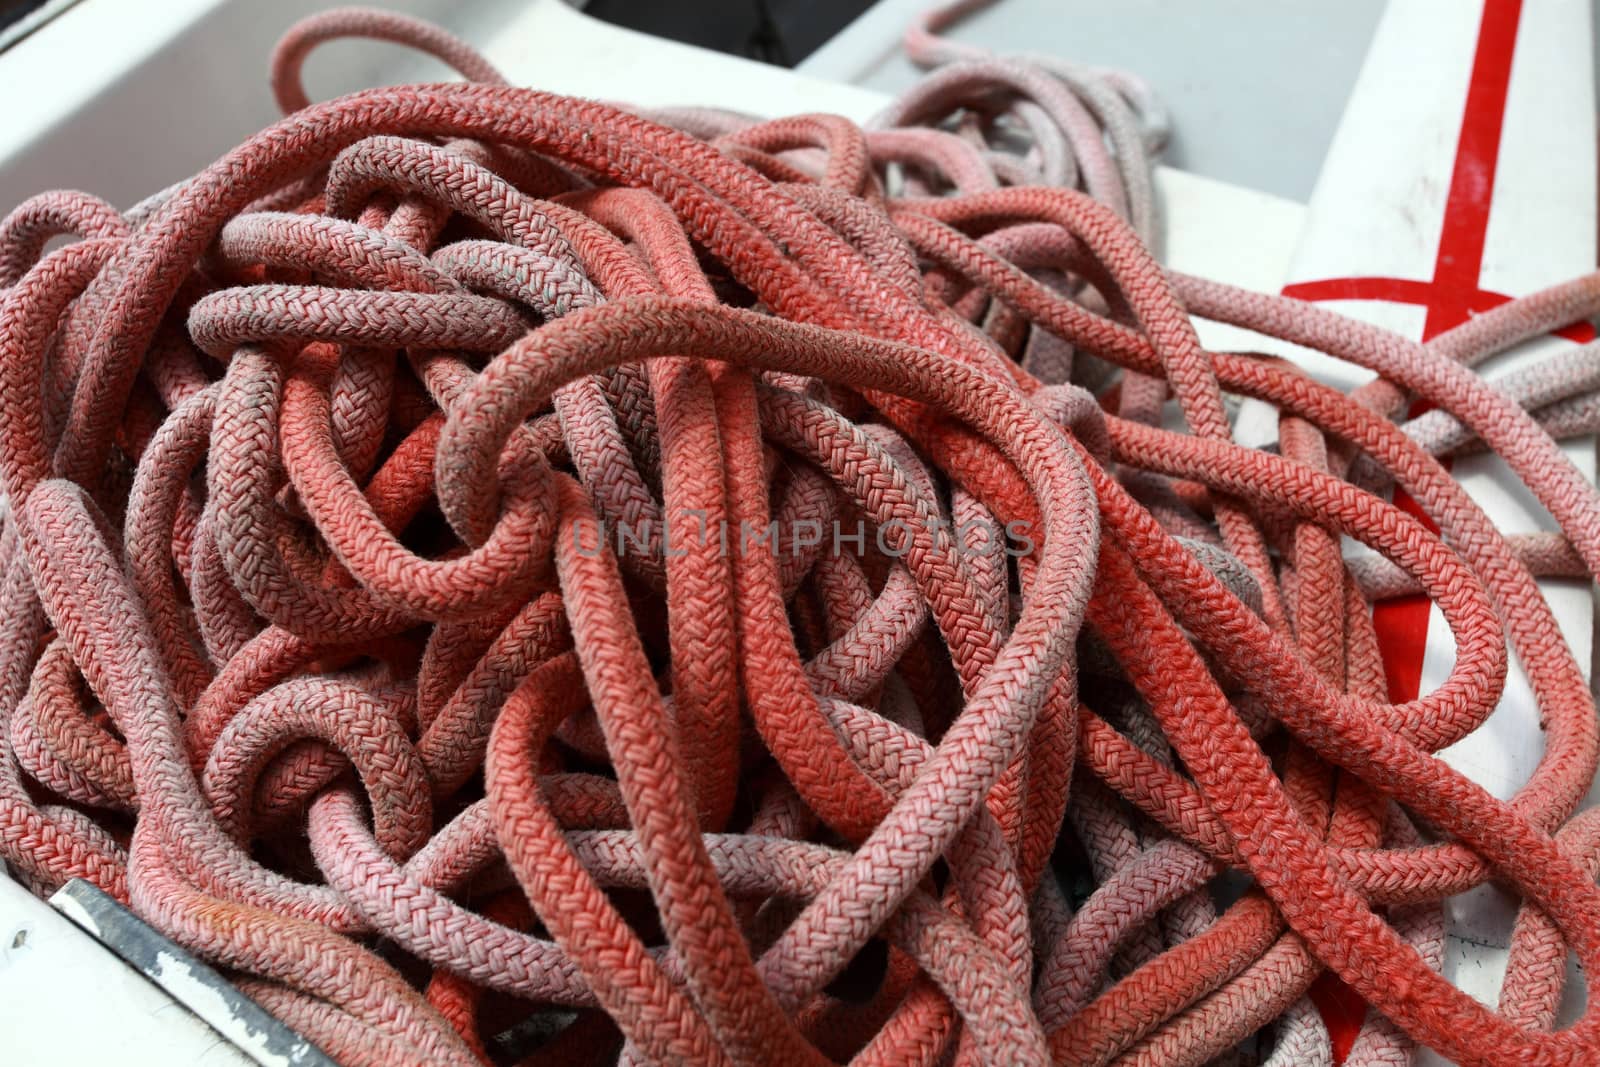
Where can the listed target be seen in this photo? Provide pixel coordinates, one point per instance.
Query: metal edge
(30, 22)
(213, 999)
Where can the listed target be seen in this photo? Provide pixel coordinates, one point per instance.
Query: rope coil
(718, 591)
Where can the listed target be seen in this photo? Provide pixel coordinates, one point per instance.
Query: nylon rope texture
(512, 578)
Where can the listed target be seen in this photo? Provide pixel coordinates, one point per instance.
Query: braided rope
(725, 589)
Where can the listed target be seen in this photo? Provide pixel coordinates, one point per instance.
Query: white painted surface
(195, 988)
(1255, 87)
(68, 1000)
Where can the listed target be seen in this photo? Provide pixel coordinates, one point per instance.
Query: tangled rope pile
(511, 579)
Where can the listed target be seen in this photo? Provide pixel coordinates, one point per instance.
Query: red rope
(690, 604)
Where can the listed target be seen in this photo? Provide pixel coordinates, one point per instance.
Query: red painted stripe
(1387, 290)
(1411, 291)
(1466, 210)
(1403, 623)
